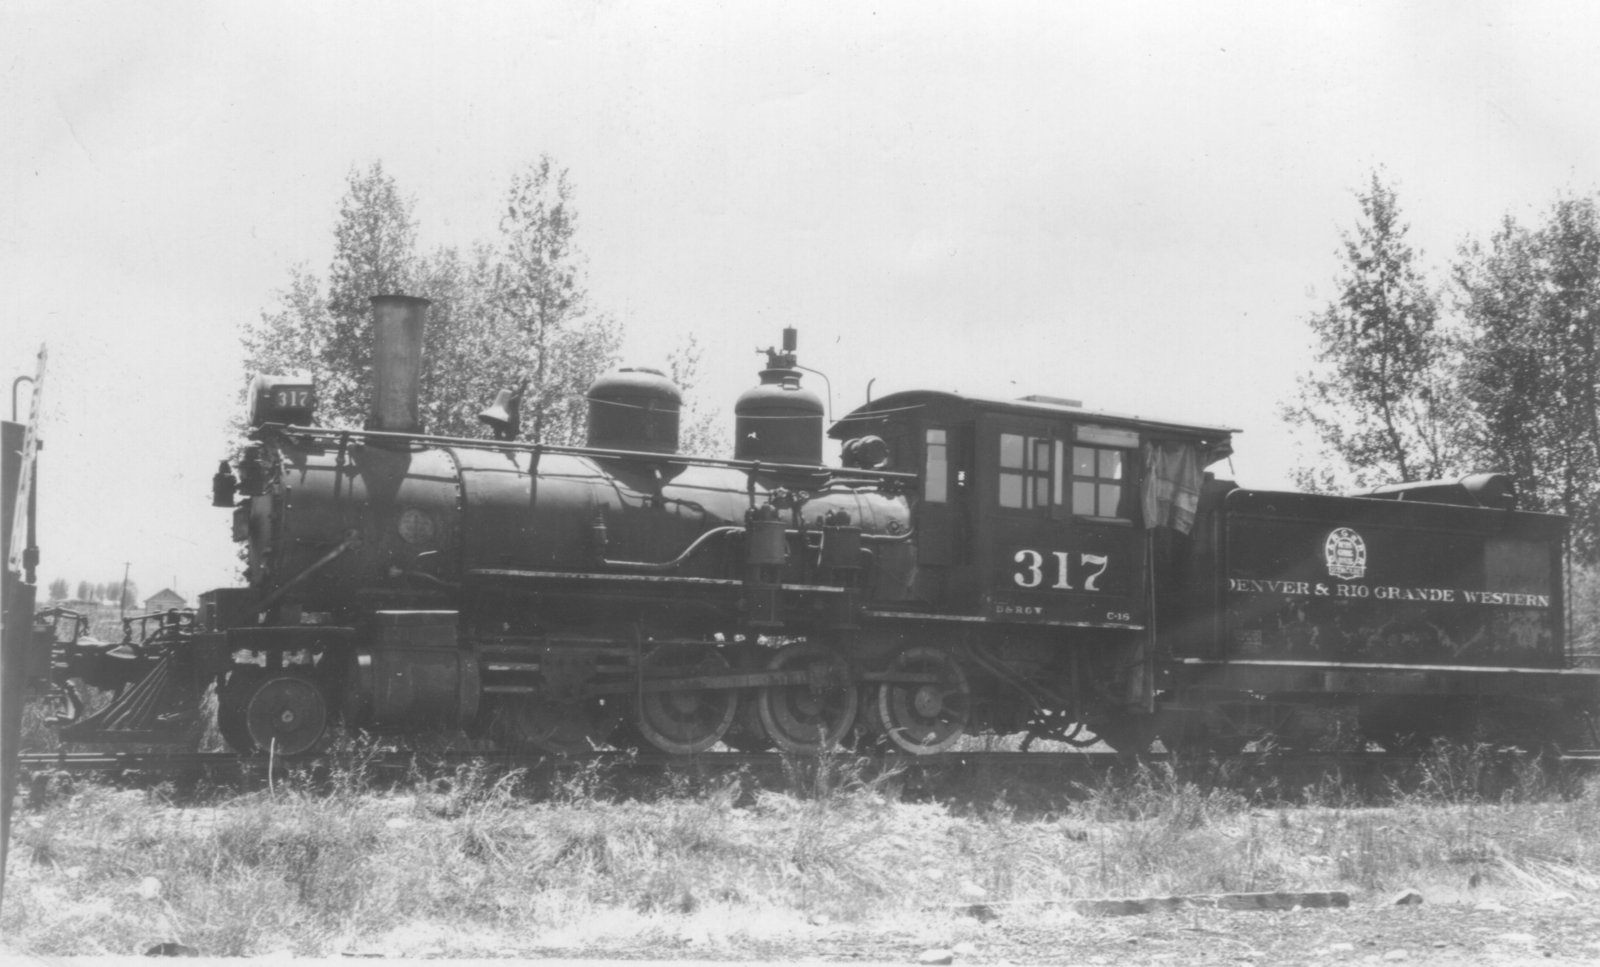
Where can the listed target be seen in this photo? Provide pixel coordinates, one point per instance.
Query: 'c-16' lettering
(1032, 572)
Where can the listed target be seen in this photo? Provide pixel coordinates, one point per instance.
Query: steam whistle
(784, 359)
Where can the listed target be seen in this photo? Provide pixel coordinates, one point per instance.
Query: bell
(504, 416)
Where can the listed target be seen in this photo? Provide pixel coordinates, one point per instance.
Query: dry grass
(477, 866)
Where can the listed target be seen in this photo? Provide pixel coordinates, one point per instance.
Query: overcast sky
(1136, 205)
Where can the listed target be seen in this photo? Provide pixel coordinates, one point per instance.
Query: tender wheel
(814, 716)
(1192, 735)
(1528, 727)
(286, 713)
(1408, 731)
(925, 717)
(232, 697)
(685, 721)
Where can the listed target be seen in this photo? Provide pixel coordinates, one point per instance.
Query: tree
(291, 338)
(1531, 301)
(374, 254)
(86, 591)
(58, 589)
(329, 335)
(1382, 398)
(465, 356)
(540, 296)
(506, 314)
(116, 591)
(700, 429)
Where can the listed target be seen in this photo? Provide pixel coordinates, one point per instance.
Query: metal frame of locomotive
(974, 566)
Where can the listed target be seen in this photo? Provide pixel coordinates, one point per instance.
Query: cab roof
(1035, 406)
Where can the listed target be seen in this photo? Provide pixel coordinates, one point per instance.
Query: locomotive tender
(973, 566)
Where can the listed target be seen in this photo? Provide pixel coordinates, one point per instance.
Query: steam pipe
(351, 539)
(518, 446)
(669, 565)
(825, 381)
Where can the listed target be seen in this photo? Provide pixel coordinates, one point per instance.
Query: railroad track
(183, 761)
(1043, 763)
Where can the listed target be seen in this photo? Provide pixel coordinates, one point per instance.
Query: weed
(36, 735)
(589, 780)
(355, 756)
(1158, 792)
(835, 775)
(481, 863)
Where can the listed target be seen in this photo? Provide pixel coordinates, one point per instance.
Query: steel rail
(1044, 762)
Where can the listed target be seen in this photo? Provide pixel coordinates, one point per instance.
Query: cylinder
(415, 675)
(397, 323)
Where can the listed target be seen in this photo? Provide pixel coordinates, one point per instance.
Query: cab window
(936, 474)
(1062, 478)
(1025, 471)
(1098, 481)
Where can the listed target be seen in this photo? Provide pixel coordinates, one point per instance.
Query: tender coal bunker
(1357, 580)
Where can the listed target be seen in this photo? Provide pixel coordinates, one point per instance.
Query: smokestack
(397, 322)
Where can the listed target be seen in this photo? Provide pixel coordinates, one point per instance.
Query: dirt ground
(1555, 929)
(1465, 931)
(1453, 932)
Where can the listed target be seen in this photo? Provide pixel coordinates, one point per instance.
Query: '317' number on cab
(1034, 567)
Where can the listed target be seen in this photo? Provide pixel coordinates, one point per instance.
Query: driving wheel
(927, 716)
(685, 721)
(811, 716)
(559, 726)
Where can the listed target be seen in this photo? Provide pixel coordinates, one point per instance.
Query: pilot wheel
(285, 713)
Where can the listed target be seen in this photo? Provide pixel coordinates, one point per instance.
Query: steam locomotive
(970, 566)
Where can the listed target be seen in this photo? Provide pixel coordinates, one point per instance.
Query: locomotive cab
(1037, 511)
